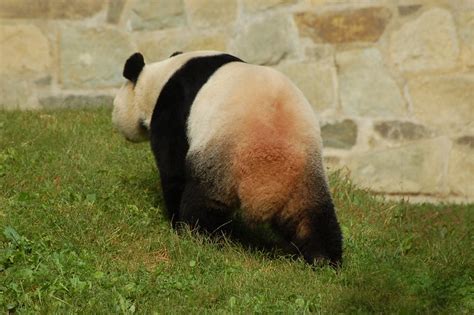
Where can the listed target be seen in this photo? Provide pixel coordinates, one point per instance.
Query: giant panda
(230, 137)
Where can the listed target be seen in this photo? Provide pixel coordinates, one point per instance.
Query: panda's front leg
(172, 188)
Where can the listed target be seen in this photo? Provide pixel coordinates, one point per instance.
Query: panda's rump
(270, 164)
(263, 139)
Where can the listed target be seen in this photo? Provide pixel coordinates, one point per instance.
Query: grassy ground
(83, 231)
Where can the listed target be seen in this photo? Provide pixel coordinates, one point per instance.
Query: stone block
(114, 11)
(418, 168)
(427, 43)
(404, 10)
(465, 21)
(365, 85)
(317, 81)
(17, 93)
(24, 51)
(54, 9)
(93, 57)
(461, 167)
(160, 45)
(468, 141)
(401, 130)
(339, 135)
(77, 9)
(157, 14)
(445, 102)
(345, 26)
(75, 101)
(266, 41)
(211, 13)
(259, 5)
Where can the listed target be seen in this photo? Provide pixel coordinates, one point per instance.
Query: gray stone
(417, 167)
(408, 9)
(317, 81)
(466, 140)
(427, 43)
(266, 41)
(339, 135)
(401, 130)
(93, 57)
(365, 86)
(211, 13)
(445, 102)
(76, 101)
(344, 26)
(157, 14)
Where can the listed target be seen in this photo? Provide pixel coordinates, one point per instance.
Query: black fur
(186, 196)
(168, 124)
(324, 241)
(176, 53)
(133, 67)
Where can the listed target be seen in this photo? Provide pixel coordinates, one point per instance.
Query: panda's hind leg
(315, 232)
(202, 213)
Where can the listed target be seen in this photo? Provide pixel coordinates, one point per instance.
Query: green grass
(83, 231)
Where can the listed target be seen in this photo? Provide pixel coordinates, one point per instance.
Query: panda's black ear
(176, 53)
(133, 67)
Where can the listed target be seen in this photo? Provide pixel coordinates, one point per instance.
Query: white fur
(239, 92)
(133, 107)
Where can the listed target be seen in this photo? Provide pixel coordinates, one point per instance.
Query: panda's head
(136, 99)
(127, 116)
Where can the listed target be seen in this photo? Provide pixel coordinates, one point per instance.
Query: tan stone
(418, 167)
(336, 27)
(461, 169)
(157, 14)
(93, 57)
(207, 42)
(465, 20)
(317, 81)
(77, 9)
(427, 43)
(24, 50)
(258, 5)
(55, 9)
(17, 93)
(114, 11)
(160, 45)
(446, 102)
(365, 86)
(207, 13)
(266, 41)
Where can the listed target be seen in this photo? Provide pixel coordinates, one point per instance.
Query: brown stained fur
(269, 164)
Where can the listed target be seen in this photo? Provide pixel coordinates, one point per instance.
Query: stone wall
(392, 80)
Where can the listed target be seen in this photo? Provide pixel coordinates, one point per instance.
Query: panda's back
(240, 97)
